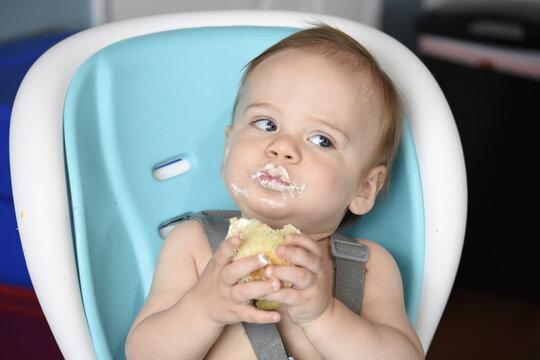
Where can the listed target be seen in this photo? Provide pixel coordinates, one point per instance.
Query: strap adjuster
(349, 250)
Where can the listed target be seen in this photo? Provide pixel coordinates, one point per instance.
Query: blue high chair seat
(158, 98)
(153, 102)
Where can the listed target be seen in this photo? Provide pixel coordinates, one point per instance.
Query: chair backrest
(159, 102)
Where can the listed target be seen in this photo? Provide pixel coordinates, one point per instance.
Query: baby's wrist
(198, 306)
(322, 319)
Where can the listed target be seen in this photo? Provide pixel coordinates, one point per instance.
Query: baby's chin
(270, 207)
(273, 214)
(273, 204)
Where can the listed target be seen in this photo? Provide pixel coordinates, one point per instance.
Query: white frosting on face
(276, 178)
(276, 171)
(239, 191)
(274, 204)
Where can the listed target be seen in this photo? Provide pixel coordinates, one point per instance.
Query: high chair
(118, 131)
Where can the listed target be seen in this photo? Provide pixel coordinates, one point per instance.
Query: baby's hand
(311, 293)
(224, 300)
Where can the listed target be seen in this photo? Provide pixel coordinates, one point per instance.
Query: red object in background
(24, 332)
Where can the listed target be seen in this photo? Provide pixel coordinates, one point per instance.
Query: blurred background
(485, 56)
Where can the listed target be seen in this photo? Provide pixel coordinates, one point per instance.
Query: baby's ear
(368, 190)
(228, 130)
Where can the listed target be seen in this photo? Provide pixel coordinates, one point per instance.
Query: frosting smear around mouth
(276, 178)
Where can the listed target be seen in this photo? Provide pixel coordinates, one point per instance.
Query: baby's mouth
(276, 178)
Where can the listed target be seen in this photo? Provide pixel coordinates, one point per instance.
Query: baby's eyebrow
(333, 127)
(262, 105)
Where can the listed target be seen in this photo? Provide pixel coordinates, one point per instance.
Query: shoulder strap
(350, 258)
(264, 338)
(215, 224)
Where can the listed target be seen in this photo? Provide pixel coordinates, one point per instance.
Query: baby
(315, 130)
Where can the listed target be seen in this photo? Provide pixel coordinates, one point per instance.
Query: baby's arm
(383, 330)
(179, 319)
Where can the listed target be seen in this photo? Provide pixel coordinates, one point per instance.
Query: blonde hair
(351, 56)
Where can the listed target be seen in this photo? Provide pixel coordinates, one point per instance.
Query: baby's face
(301, 143)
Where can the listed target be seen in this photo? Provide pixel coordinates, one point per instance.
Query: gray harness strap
(266, 341)
(350, 258)
(215, 224)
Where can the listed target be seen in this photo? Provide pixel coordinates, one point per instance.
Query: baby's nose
(284, 148)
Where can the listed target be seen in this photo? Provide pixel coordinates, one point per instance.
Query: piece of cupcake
(260, 239)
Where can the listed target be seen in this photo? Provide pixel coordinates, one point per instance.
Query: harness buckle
(349, 250)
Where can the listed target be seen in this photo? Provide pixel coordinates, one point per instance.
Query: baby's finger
(288, 296)
(301, 257)
(300, 277)
(242, 293)
(305, 242)
(225, 251)
(236, 270)
(253, 315)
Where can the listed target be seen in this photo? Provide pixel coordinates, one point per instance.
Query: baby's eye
(321, 141)
(266, 125)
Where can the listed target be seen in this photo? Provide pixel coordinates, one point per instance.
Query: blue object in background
(15, 60)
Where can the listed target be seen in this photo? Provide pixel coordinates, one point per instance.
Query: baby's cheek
(337, 188)
(329, 178)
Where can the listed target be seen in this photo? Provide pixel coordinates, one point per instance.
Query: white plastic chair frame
(39, 181)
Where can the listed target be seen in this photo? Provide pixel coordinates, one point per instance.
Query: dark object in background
(512, 23)
(486, 58)
(25, 332)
